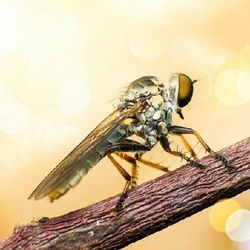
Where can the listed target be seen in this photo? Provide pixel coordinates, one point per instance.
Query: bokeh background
(64, 63)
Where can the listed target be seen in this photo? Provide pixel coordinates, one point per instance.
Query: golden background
(62, 65)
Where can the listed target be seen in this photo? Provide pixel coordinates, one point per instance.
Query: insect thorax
(157, 113)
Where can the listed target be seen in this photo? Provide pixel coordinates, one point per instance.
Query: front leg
(166, 146)
(188, 147)
(182, 130)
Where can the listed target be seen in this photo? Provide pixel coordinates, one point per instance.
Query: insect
(145, 110)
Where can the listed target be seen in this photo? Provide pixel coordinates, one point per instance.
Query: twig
(148, 208)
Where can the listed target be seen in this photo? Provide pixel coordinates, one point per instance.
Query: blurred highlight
(73, 98)
(238, 226)
(14, 116)
(220, 212)
(226, 88)
(243, 85)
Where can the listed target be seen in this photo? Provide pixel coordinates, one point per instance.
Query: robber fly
(145, 110)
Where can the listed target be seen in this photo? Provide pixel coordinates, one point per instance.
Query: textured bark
(148, 208)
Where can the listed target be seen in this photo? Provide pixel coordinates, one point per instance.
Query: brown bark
(148, 208)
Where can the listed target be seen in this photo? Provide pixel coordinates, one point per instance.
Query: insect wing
(73, 164)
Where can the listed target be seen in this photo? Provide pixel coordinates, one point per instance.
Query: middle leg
(137, 157)
(126, 146)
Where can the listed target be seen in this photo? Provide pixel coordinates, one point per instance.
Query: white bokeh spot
(226, 88)
(243, 85)
(10, 27)
(73, 98)
(238, 226)
(14, 115)
(146, 47)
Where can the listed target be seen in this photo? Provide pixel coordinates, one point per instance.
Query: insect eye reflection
(185, 91)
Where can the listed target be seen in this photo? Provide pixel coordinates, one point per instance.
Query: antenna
(194, 81)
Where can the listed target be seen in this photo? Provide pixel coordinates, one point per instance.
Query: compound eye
(185, 92)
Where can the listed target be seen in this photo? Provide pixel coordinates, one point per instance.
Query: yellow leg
(121, 170)
(145, 162)
(134, 170)
(128, 184)
(188, 147)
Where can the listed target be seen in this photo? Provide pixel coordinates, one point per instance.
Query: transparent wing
(71, 169)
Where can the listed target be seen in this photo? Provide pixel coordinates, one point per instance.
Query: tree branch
(148, 208)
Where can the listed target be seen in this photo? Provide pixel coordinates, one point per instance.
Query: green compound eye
(185, 91)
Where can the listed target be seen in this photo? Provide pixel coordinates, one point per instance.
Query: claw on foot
(225, 161)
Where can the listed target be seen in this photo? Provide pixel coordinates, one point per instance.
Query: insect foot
(227, 163)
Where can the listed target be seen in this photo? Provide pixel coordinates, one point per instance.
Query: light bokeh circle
(146, 47)
(244, 58)
(238, 226)
(73, 98)
(243, 85)
(226, 89)
(220, 212)
(14, 115)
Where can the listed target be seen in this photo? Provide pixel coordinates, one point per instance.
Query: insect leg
(125, 146)
(188, 147)
(128, 146)
(182, 130)
(133, 162)
(153, 165)
(145, 162)
(121, 170)
(165, 144)
(127, 177)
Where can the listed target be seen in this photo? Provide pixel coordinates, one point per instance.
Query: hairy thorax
(157, 113)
